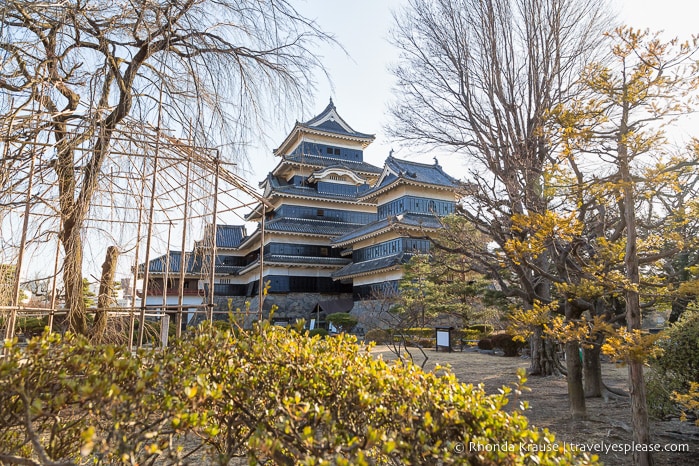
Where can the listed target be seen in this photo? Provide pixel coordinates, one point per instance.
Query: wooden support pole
(149, 237)
(213, 242)
(183, 254)
(10, 330)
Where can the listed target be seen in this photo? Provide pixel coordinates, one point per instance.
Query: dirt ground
(608, 423)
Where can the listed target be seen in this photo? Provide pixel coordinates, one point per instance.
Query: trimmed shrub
(318, 331)
(343, 321)
(485, 344)
(32, 326)
(420, 332)
(378, 335)
(483, 329)
(467, 334)
(269, 395)
(507, 344)
(676, 367)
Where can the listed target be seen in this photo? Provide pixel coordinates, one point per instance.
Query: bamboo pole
(54, 286)
(213, 243)
(261, 284)
(132, 315)
(183, 255)
(149, 237)
(10, 330)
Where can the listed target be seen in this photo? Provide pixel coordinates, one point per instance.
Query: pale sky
(361, 81)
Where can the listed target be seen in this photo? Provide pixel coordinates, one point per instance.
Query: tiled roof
(282, 258)
(324, 162)
(403, 220)
(227, 236)
(158, 264)
(304, 191)
(374, 265)
(310, 226)
(397, 171)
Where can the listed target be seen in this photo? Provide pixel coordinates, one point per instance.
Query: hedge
(270, 395)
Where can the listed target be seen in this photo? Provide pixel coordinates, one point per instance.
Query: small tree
(621, 115)
(343, 321)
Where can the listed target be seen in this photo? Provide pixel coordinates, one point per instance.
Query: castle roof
(159, 264)
(329, 123)
(398, 172)
(381, 264)
(406, 221)
(317, 161)
(227, 236)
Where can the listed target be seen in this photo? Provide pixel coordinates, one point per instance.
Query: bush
(420, 332)
(467, 334)
(318, 331)
(32, 326)
(676, 367)
(507, 344)
(378, 335)
(343, 321)
(270, 395)
(485, 344)
(421, 342)
(483, 329)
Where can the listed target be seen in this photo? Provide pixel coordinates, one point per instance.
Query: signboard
(443, 337)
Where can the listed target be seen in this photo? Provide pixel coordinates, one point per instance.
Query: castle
(336, 229)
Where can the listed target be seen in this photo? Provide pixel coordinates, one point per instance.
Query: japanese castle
(337, 229)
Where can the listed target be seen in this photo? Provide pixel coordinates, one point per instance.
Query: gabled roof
(408, 220)
(329, 123)
(398, 171)
(309, 226)
(329, 120)
(227, 236)
(158, 265)
(275, 188)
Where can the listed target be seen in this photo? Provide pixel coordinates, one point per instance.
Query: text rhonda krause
(598, 447)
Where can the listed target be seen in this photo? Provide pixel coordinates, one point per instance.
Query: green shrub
(482, 329)
(32, 326)
(343, 321)
(378, 335)
(318, 331)
(676, 367)
(468, 334)
(270, 395)
(507, 344)
(420, 332)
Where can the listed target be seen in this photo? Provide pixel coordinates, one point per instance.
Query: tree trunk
(543, 355)
(73, 278)
(104, 299)
(592, 371)
(576, 394)
(679, 305)
(639, 408)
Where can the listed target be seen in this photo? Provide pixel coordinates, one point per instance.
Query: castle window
(320, 213)
(337, 151)
(329, 150)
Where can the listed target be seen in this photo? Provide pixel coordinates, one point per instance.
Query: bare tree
(480, 77)
(81, 68)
